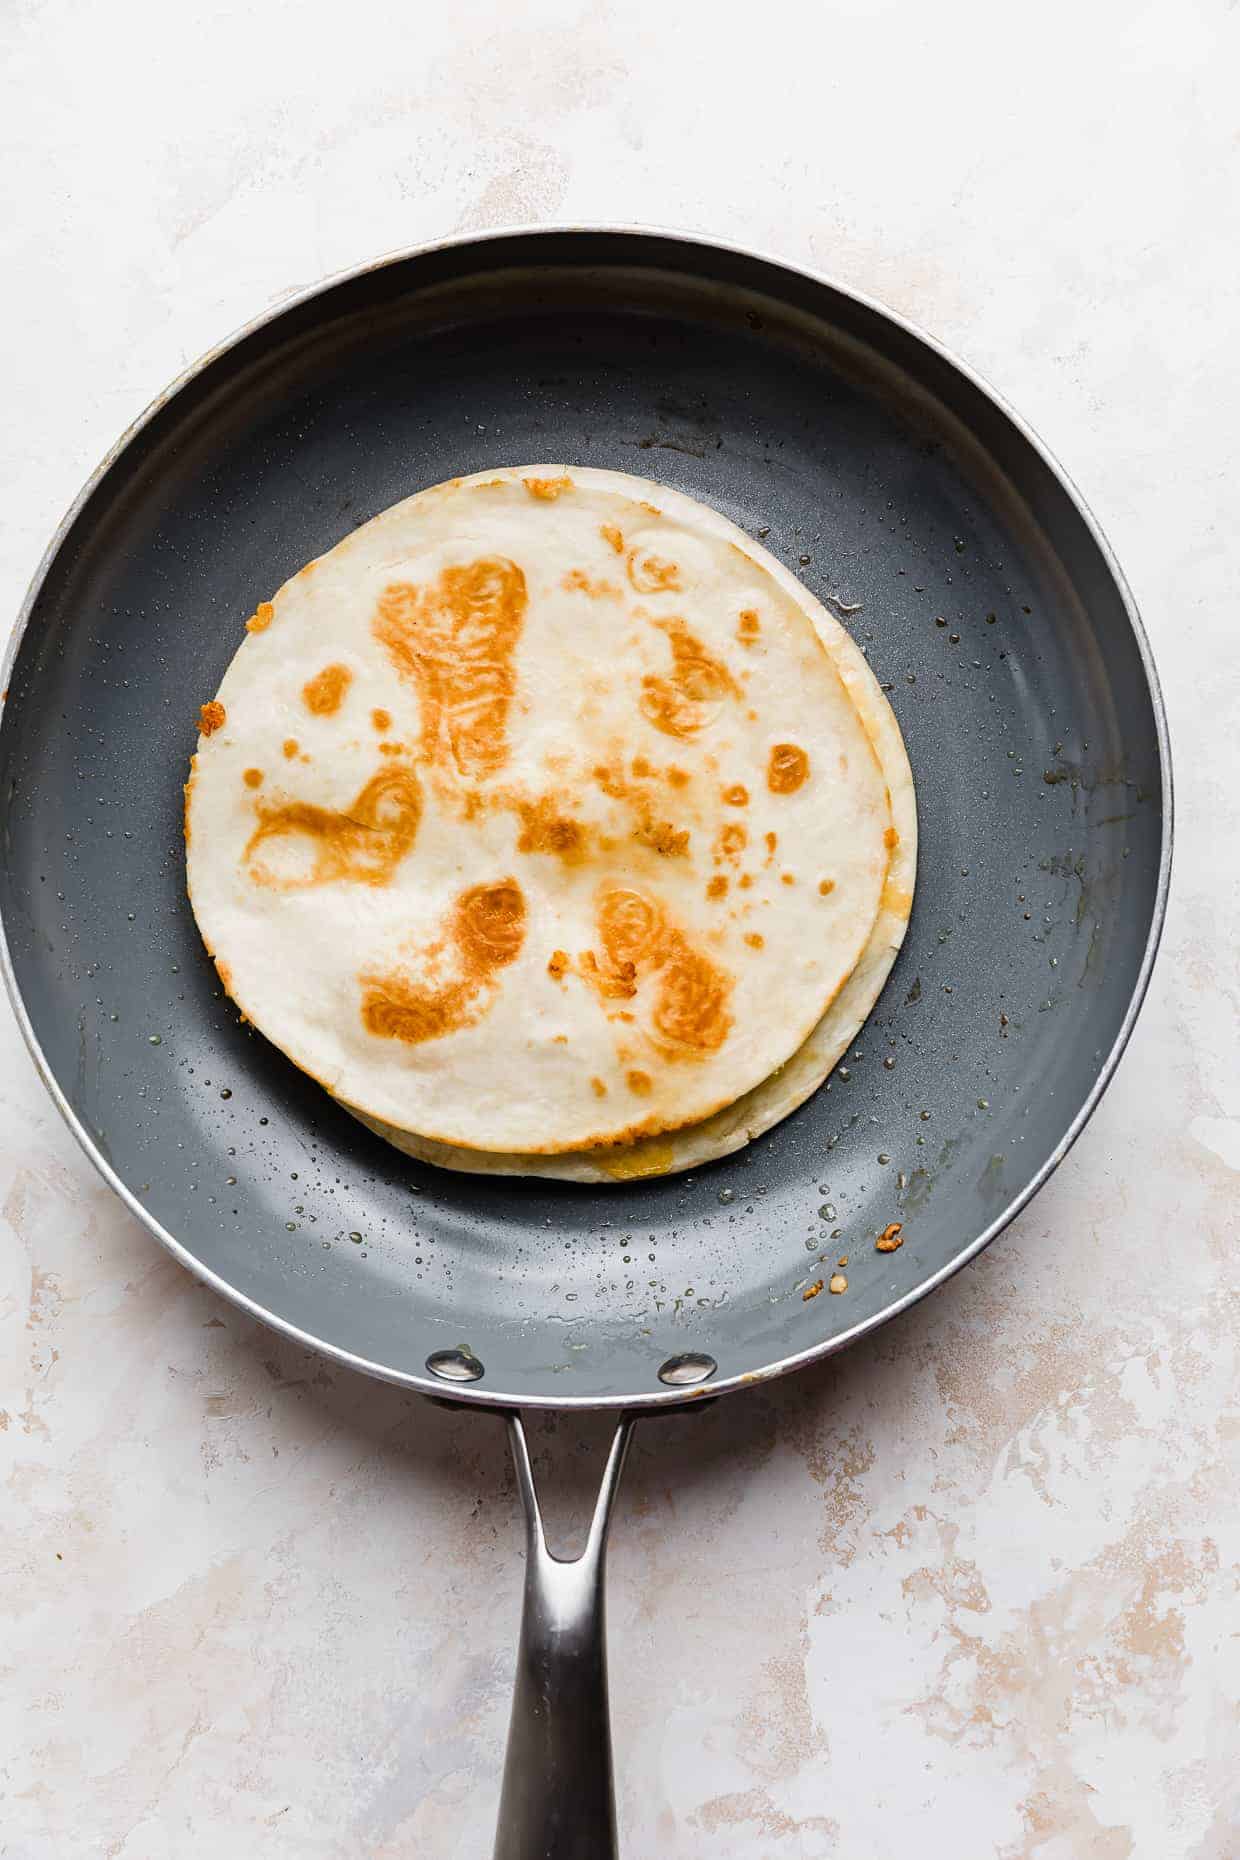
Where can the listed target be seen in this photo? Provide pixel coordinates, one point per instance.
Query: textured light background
(969, 1592)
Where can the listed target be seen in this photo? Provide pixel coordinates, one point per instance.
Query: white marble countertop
(968, 1592)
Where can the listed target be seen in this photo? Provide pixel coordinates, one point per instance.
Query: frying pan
(908, 498)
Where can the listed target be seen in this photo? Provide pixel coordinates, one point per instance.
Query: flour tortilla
(657, 662)
(791, 1084)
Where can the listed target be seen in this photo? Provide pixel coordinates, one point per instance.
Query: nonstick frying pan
(907, 497)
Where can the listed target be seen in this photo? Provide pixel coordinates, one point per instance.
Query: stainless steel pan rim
(671, 1397)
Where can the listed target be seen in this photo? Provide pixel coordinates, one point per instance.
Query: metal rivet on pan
(683, 1371)
(454, 1365)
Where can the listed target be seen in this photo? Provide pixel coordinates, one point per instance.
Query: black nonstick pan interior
(900, 492)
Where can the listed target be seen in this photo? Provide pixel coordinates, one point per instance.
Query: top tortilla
(479, 826)
(791, 1084)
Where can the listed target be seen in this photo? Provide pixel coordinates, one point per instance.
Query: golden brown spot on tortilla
(487, 927)
(772, 841)
(598, 1088)
(290, 747)
(718, 887)
(663, 838)
(677, 778)
(381, 719)
(545, 830)
(631, 925)
(691, 1009)
(745, 880)
(611, 534)
(610, 984)
(731, 841)
(749, 626)
(432, 951)
(737, 795)
(639, 1082)
(691, 697)
(261, 618)
(364, 843)
(891, 839)
(253, 778)
(546, 490)
(689, 1016)
(788, 769)
(651, 574)
(652, 509)
(455, 640)
(786, 878)
(324, 693)
(825, 887)
(756, 940)
(489, 924)
(576, 581)
(558, 964)
(212, 717)
(896, 899)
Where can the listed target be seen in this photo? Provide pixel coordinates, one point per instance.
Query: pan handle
(557, 1801)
